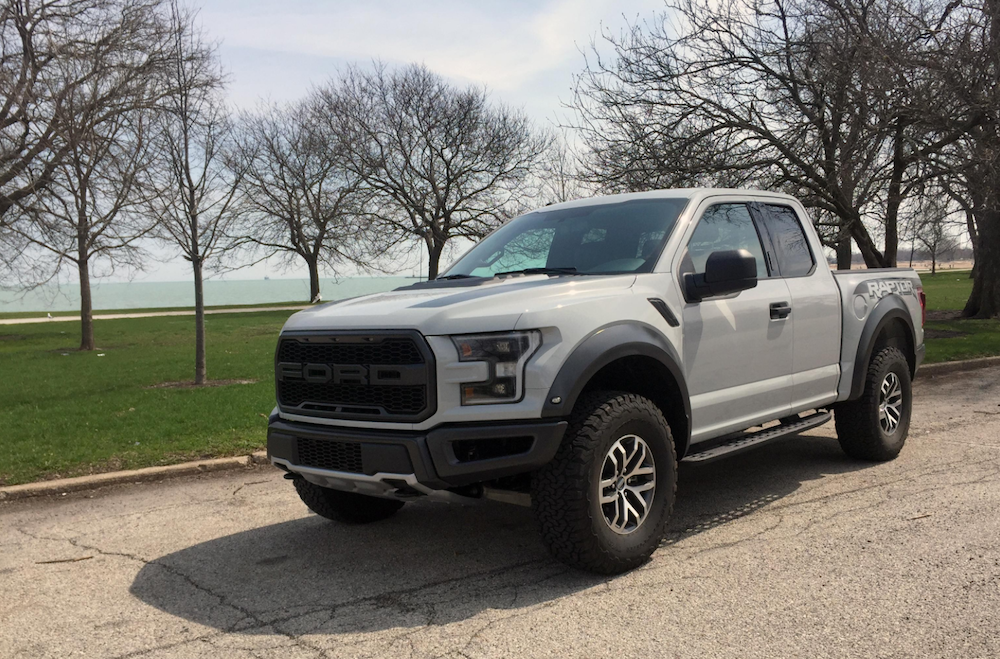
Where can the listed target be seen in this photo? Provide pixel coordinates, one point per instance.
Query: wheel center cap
(620, 484)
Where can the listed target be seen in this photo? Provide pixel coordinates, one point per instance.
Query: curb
(941, 368)
(146, 475)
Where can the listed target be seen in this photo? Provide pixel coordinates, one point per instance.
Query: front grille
(336, 456)
(389, 351)
(394, 400)
(385, 376)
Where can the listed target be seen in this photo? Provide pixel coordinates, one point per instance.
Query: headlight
(505, 355)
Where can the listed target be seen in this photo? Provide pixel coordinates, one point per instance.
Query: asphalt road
(789, 551)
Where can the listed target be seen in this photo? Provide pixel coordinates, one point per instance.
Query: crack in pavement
(222, 599)
(380, 600)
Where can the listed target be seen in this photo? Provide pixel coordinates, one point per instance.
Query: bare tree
(441, 162)
(933, 228)
(35, 40)
(86, 214)
(301, 201)
(194, 191)
(816, 97)
(559, 172)
(967, 61)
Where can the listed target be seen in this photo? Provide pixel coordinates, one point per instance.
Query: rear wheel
(875, 426)
(345, 506)
(603, 502)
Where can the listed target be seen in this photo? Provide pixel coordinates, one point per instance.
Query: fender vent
(664, 310)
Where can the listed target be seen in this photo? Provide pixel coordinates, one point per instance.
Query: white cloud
(501, 44)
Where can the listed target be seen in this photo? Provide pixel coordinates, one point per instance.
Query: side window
(724, 227)
(789, 240)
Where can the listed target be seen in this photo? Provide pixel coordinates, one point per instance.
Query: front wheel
(345, 506)
(875, 426)
(603, 502)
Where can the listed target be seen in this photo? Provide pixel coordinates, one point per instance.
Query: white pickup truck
(581, 351)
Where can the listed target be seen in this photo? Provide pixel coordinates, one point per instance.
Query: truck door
(815, 305)
(738, 347)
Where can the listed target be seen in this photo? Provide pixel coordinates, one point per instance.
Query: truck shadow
(435, 564)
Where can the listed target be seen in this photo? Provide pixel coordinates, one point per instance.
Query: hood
(491, 306)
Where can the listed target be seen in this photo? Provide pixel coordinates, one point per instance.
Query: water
(143, 295)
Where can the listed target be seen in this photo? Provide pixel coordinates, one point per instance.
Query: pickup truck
(580, 352)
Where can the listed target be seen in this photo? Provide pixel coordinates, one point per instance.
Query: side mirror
(729, 271)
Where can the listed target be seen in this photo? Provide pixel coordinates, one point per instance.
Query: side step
(747, 441)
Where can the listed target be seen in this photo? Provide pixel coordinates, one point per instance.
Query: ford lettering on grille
(385, 376)
(356, 374)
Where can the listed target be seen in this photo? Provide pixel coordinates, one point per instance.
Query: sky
(524, 52)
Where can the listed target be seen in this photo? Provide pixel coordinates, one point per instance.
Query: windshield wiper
(455, 277)
(539, 271)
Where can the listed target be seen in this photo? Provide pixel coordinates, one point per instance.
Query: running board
(747, 441)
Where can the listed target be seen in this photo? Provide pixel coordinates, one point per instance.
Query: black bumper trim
(428, 455)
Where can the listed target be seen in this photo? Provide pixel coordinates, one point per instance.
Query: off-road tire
(859, 430)
(566, 492)
(346, 507)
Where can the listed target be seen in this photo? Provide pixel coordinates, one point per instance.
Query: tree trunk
(984, 302)
(313, 280)
(873, 259)
(434, 249)
(933, 262)
(894, 199)
(844, 253)
(200, 367)
(86, 303)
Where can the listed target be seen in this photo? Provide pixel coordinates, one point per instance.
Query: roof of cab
(694, 194)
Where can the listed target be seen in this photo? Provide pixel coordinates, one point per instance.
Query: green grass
(98, 312)
(948, 291)
(68, 413)
(975, 338)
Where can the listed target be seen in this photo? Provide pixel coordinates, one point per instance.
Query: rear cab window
(788, 239)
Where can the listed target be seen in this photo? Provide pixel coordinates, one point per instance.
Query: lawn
(68, 413)
(954, 339)
(946, 291)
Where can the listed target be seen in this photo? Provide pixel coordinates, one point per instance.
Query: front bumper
(387, 462)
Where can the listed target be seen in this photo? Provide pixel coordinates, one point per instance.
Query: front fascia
(565, 318)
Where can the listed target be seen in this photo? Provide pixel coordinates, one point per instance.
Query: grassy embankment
(67, 413)
(950, 340)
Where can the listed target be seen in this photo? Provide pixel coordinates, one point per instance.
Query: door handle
(780, 310)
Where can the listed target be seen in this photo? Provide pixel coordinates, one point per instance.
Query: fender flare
(887, 310)
(604, 346)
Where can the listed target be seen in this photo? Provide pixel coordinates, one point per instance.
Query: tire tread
(858, 436)
(346, 507)
(559, 501)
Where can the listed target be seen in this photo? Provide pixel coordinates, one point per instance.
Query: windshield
(621, 237)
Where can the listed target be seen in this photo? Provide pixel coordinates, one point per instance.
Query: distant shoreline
(137, 296)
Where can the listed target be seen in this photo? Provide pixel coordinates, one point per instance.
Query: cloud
(501, 44)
